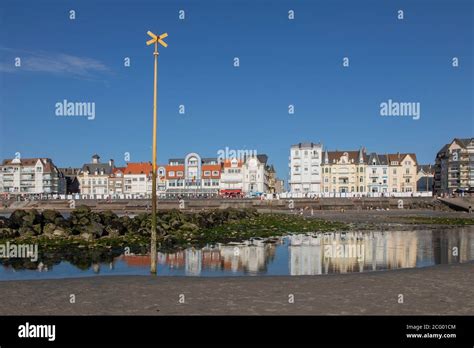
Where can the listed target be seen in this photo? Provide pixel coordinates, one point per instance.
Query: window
(305, 169)
(385, 171)
(179, 173)
(171, 173)
(297, 153)
(407, 180)
(142, 179)
(361, 179)
(39, 169)
(207, 172)
(394, 172)
(306, 153)
(334, 180)
(407, 171)
(374, 171)
(215, 172)
(326, 179)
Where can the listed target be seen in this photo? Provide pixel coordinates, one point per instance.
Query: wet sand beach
(437, 290)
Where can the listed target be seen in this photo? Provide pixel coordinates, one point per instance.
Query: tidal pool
(295, 254)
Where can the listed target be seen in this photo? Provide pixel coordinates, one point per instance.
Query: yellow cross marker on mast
(154, 40)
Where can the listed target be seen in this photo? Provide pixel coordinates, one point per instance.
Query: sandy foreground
(439, 290)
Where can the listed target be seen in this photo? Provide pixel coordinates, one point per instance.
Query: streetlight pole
(154, 39)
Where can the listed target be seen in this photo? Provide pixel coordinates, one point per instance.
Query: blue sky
(282, 62)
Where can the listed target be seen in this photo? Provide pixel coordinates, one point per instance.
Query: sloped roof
(400, 156)
(333, 156)
(47, 163)
(379, 159)
(93, 167)
(138, 168)
(426, 168)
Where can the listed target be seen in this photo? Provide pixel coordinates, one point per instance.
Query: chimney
(96, 159)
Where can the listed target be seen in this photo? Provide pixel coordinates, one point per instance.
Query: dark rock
(16, 218)
(25, 231)
(32, 217)
(8, 232)
(48, 229)
(96, 229)
(51, 216)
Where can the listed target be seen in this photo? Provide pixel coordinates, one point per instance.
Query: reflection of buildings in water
(321, 253)
(247, 258)
(401, 249)
(345, 252)
(326, 253)
(211, 258)
(452, 246)
(96, 267)
(193, 263)
(424, 252)
(305, 259)
(342, 252)
(173, 260)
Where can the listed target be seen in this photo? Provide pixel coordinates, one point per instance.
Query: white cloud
(55, 63)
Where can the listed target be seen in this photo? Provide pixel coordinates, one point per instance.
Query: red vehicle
(231, 193)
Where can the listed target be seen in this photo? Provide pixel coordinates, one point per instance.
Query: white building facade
(255, 175)
(305, 168)
(377, 172)
(31, 176)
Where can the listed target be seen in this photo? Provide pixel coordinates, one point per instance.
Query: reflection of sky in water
(302, 254)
